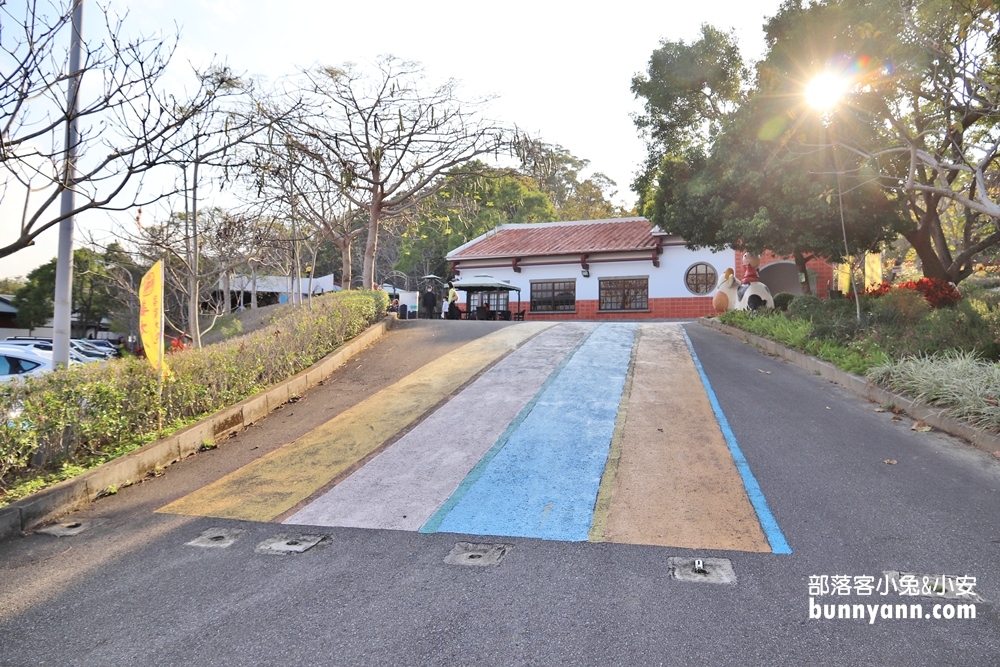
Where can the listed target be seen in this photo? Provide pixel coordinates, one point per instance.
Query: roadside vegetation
(60, 424)
(923, 338)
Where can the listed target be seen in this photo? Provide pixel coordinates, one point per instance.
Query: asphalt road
(130, 591)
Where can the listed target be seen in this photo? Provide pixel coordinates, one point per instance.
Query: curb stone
(133, 467)
(932, 416)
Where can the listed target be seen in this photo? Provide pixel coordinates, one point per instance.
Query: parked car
(105, 346)
(46, 346)
(20, 361)
(78, 344)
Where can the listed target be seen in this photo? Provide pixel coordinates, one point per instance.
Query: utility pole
(62, 317)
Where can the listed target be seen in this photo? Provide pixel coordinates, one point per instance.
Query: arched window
(701, 278)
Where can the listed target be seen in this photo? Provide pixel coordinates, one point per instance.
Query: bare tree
(128, 126)
(385, 140)
(209, 143)
(296, 182)
(229, 241)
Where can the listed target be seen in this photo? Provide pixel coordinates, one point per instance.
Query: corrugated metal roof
(560, 238)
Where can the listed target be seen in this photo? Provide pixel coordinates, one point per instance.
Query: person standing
(453, 312)
(428, 301)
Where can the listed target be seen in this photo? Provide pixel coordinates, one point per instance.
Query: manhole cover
(67, 529)
(288, 544)
(947, 586)
(217, 538)
(702, 570)
(468, 553)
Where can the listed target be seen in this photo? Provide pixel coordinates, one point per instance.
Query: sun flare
(825, 90)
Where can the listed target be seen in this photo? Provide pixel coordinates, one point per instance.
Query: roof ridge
(569, 223)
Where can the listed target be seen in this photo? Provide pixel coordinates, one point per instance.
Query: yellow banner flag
(151, 316)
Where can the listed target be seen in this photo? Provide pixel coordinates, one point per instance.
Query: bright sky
(560, 70)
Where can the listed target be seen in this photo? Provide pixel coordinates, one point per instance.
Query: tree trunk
(920, 239)
(194, 323)
(800, 264)
(346, 260)
(226, 294)
(253, 288)
(312, 272)
(371, 244)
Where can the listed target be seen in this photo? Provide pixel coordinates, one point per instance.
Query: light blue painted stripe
(543, 481)
(767, 521)
(435, 521)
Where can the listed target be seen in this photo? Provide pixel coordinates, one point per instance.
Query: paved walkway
(573, 431)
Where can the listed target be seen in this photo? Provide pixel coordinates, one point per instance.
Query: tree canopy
(470, 203)
(914, 139)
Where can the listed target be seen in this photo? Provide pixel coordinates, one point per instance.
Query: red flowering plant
(938, 292)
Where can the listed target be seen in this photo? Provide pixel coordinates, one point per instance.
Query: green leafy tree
(756, 176)
(93, 293)
(36, 300)
(93, 290)
(11, 285)
(687, 92)
(470, 203)
(919, 111)
(556, 172)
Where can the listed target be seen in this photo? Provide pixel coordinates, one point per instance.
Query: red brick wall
(683, 307)
(822, 268)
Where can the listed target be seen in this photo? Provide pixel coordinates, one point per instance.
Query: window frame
(624, 307)
(711, 287)
(551, 298)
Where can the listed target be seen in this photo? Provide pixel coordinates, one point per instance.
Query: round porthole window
(701, 278)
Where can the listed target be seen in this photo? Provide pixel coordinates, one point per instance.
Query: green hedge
(95, 412)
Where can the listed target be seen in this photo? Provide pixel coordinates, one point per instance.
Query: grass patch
(966, 386)
(933, 347)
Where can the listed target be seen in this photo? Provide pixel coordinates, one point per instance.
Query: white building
(595, 269)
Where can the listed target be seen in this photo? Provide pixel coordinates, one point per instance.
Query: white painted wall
(665, 281)
(41, 332)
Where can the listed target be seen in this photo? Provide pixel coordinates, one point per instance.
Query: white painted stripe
(403, 486)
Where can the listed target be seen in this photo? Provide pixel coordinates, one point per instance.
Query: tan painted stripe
(676, 483)
(603, 505)
(275, 483)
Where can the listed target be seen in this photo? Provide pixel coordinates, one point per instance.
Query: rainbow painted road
(573, 431)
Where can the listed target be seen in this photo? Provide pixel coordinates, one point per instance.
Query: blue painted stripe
(434, 522)
(543, 480)
(767, 521)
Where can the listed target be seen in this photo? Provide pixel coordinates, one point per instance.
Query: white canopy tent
(483, 283)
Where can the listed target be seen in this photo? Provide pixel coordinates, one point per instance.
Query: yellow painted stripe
(278, 481)
(676, 483)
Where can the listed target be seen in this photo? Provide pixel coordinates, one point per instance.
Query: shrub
(968, 327)
(107, 409)
(939, 293)
(901, 307)
(782, 299)
(807, 307)
(855, 357)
